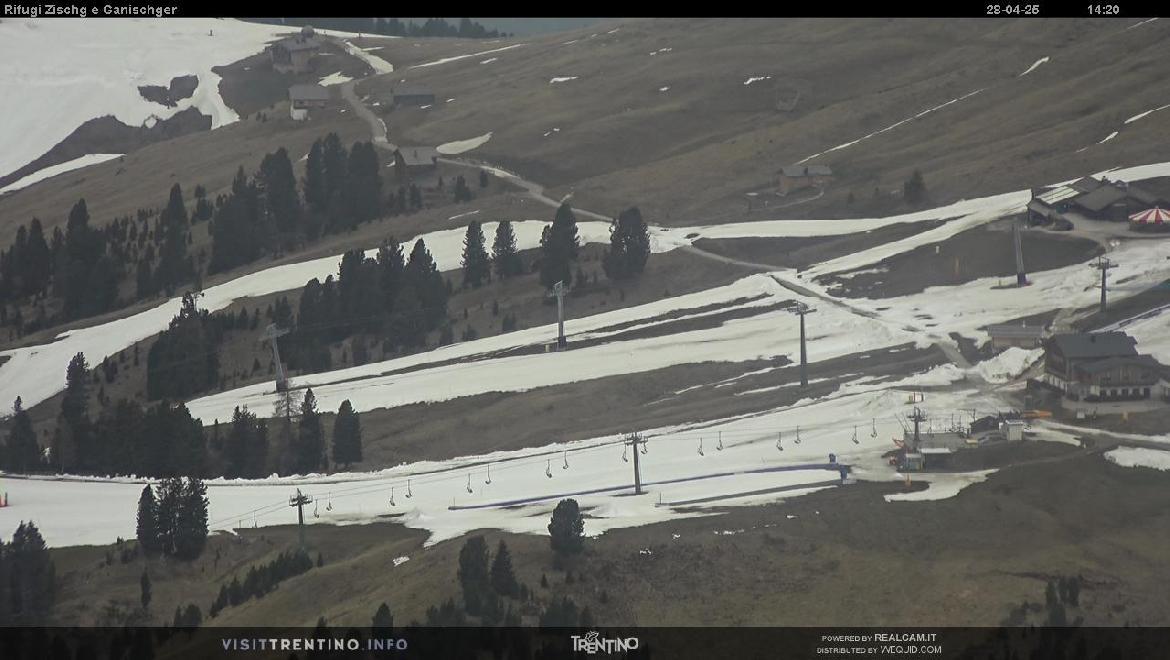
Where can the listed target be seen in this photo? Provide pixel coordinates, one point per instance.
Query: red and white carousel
(1155, 219)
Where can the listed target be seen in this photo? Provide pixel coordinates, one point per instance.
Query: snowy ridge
(40, 58)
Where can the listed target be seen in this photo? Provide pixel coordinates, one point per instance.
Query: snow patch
(664, 89)
(942, 486)
(560, 79)
(71, 70)
(756, 79)
(54, 170)
(1139, 457)
(456, 58)
(1032, 68)
(461, 146)
(335, 79)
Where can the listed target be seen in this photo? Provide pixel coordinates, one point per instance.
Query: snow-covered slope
(59, 73)
(54, 170)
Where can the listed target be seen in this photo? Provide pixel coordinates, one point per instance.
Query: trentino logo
(592, 643)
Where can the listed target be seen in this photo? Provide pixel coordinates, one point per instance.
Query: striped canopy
(1154, 216)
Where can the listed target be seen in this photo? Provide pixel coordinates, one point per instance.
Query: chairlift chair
(548, 469)
(392, 496)
(469, 483)
(489, 475)
(797, 441)
(719, 447)
(625, 450)
(566, 465)
(409, 494)
(779, 436)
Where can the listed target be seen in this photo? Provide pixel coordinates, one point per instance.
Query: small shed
(1019, 335)
(797, 177)
(305, 97)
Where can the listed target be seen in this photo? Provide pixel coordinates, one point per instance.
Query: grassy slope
(689, 153)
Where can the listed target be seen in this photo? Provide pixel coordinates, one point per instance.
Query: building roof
(1058, 194)
(1016, 331)
(298, 43)
(1094, 346)
(1086, 184)
(1100, 198)
(308, 92)
(806, 170)
(1113, 362)
(416, 156)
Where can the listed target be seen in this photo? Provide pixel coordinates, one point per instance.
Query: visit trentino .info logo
(592, 643)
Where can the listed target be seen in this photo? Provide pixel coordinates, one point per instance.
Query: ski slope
(54, 170)
(761, 461)
(67, 73)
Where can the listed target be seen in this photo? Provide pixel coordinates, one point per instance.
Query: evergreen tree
(365, 183)
(629, 246)
(36, 260)
(504, 256)
(476, 267)
(184, 360)
(347, 435)
(335, 162)
(567, 528)
(31, 577)
(278, 187)
(147, 528)
(316, 185)
(462, 192)
(144, 584)
(191, 522)
(483, 179)
(914, 189)
(310, 440)
(474, 576)
(422, 275)
(173, 265)
(247, 450)
(23, 454)
(559, 245)
(503, 578)
(383, 620)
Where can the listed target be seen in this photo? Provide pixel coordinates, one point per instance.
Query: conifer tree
(567, 528)
(474, 576)
(347, 435)
(310, 440)
(476, 267)
(23, 454)
(383, 619)
(147, 528)
(629, 246)
(504, 256)
(559, 245)
(191, 533)
(503, 577)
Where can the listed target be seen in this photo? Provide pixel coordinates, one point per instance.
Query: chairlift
(548, 469)
(489, 475)
(328, 502)
(392, 496)
(625, 450)
(566, 465)
(701, 446)
(797, 441)
(409, 494)
(469, 483)
(643, 447)
(778, 438)
(315, 505)
(873, 428)
(719, 447)
(855, 440)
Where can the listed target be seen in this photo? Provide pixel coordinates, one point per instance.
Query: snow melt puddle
(1139, 457)
(560, 79)
(1032, 68)
(461, 146)
(54, 170)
